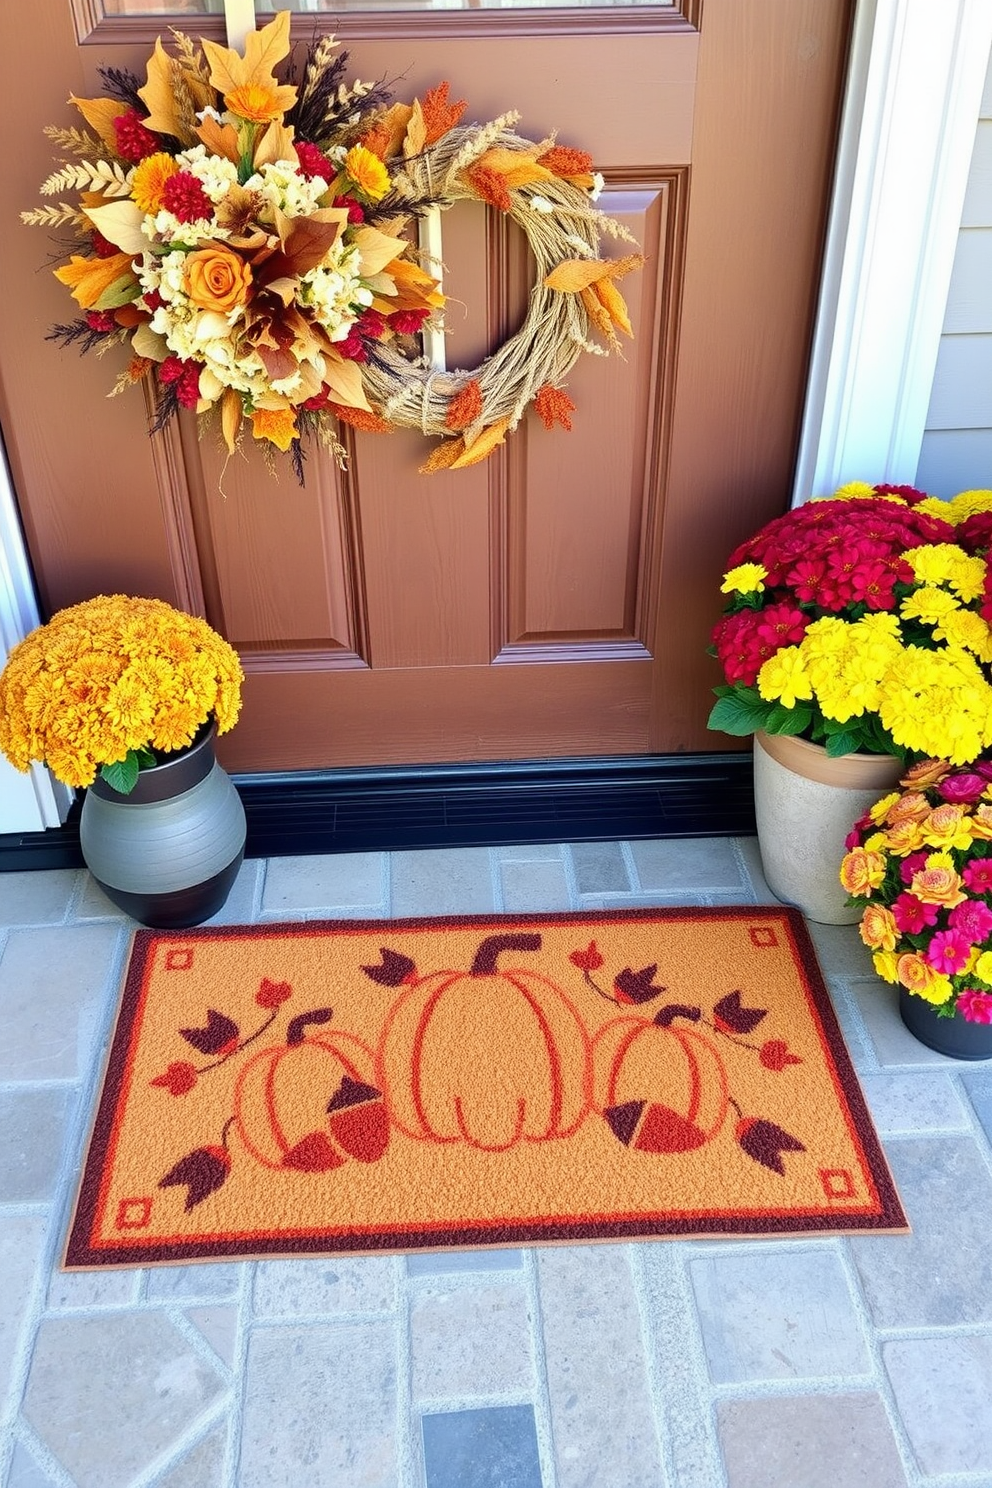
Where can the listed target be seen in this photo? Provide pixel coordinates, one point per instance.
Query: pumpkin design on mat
(311, 1103)
(660, 1086)
(510, 1021)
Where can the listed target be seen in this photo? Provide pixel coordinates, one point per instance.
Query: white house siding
(957, 445)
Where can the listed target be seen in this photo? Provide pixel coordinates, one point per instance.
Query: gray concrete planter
(169, 852)
(805, 804)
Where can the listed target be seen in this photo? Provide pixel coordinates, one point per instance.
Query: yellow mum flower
(966, 629)
(929, 605)
(919, 977)
(885, 963)
(746, 578)
(966, 503)
(933, 563)
(933, 507)
(783, 678)
(367, 171)
(903, 838)
(881, 809)
(148, 181)
(983, 968)
(947, 826)
(852, 491)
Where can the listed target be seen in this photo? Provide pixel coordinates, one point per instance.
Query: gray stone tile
(491, 1448)
(534, 886)
(180, 1283)
(93, 903)
(437, 1262)
(22, 1238)
(239, 907)
(320, 1407)
(322, 1288)
(751, 853)
(777, 1315)
(53, 985)
(322, 882)
(941, 1274)
(979, 1089)
(108, 1395)
(76, 1289)
(841, 952)
(457, 881)
(942, 1388)
(530, 852)
(878, 1004)
(202, 1467)
(917, 1102)
(601, 1414)
(689, 864)
(26, 1473)
(219, 1326)
(809, 1441)
(33, 1119)
(600, 868)
(36, 898)
(471, 1340)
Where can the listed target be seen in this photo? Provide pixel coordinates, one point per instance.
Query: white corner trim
(914, 92)
(28, 803)
(239, 19)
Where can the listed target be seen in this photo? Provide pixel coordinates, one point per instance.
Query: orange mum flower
(256, 102)
(277, 425)
(148, 181)
(367, 171)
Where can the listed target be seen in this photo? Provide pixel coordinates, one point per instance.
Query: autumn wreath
(248, 238)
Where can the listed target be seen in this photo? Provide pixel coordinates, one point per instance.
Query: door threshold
(601, 799)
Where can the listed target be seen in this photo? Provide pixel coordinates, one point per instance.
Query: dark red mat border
(890, 1218)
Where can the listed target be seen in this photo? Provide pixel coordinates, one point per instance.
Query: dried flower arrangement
(245, 237)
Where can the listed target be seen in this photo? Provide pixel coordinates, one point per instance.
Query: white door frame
(911, 108)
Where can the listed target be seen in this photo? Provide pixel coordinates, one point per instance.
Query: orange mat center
(310, 1088)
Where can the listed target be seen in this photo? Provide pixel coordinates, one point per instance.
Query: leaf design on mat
(179, 1078)
(272, 994)
(218, 1034)
(296, 1032)
(765, 1142)
(394, 969)
(775, 1054)
(637, 986)
(587, 960)
(732, 1017)
(202, 1171)
(666, 1016)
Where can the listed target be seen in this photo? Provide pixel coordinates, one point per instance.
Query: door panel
(556, 600)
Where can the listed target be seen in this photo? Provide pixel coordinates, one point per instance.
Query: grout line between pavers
(173, 1457)
(239, 1369)
(873, 1344)
(633, 877)
(46, 1460)
(409, 1453)
(541, 1402)
(496, 880)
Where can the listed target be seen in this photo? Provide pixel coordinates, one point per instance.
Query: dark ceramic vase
(955, 1036)
(168, 853)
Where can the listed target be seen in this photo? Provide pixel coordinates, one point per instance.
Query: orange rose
(913, 806)
(981, 822)
(926, 772)
(938, 886)
(919, 977)
(878, 928)
(903, 838)
(217, 279)
(862, 871)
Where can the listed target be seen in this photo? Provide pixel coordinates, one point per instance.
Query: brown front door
(555, 600)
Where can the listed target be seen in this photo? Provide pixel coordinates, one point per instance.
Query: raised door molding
(914, 93)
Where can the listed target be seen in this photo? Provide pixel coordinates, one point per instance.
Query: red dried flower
(356, 212)
(101, 320)
(408, 322)
(134, 141)
(352, 347)
(101, 247)
(313, 161)
(186, 376)
(185, 198)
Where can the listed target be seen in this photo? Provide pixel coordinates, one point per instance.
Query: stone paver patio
(825, 1363)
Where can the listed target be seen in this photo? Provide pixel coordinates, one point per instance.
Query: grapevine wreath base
(574, 293)
(247, 236)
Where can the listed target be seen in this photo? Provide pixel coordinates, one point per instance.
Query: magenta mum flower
(973, 918)
(949, 951)
(975, 1006)
(978, 875)
(911, 866)
(912, 915)
(966, 787)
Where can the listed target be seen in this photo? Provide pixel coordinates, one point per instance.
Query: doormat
(303, 1089)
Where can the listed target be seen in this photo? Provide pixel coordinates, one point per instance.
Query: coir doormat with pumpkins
(310, 1088)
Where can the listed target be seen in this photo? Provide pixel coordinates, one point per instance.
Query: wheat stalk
(55, 217)
(75, 141)
(107, 177)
